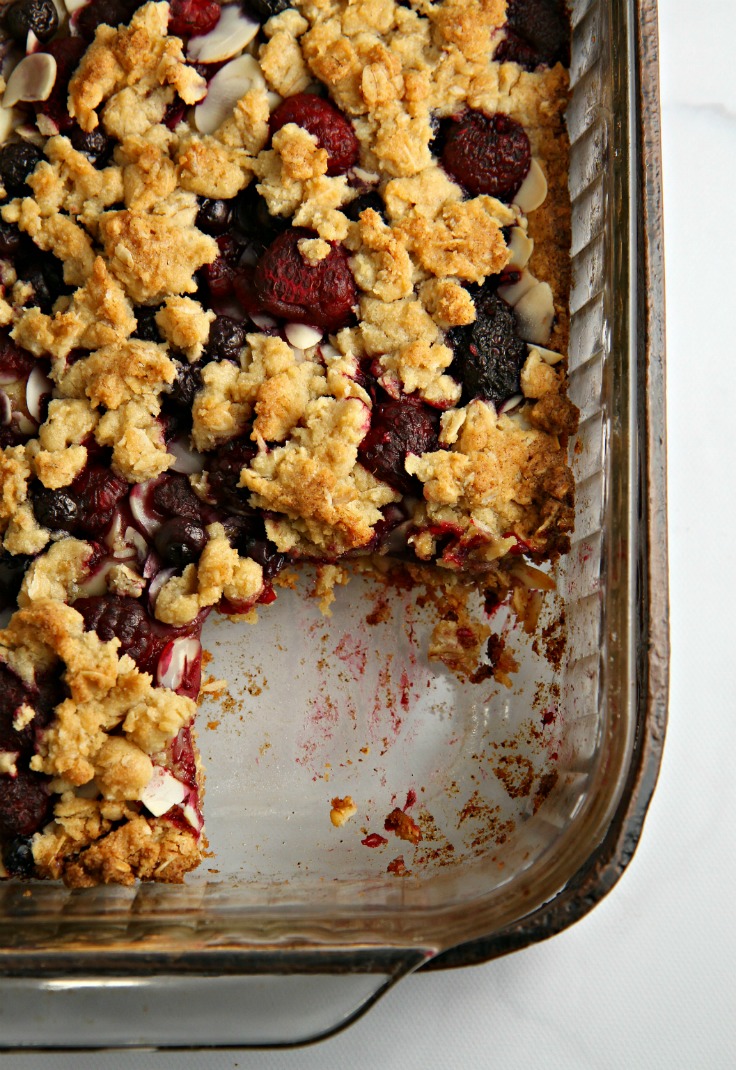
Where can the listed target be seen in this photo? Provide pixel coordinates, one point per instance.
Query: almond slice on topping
(176, 659)
(33, 79)
(547, 355)
(533, 190)
(162, 792)
(6, 409)
(229, 37)
(513, 294)
(74, 5)
(38, 386)
(8, 121)
(32, 43)
(535, 313)
(193, 816)
(186, 460)
(301, 335)
(522, 247)
(225, 90)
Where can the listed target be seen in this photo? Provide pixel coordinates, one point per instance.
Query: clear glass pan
(531, 798)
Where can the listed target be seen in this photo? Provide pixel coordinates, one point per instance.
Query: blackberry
(57, 510)
(214, 216)
(37, 15)
(223, 475)
(146, 327)
(24, 803)
(226, 339)
(110, 12)
(174, 496)
(544, 25)
(180, 541)
(10, 239)
(44, 273)
(17, 161)
(488, 353)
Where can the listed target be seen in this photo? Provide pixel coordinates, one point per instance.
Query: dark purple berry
(180, 541)
(97, 491)
(265, 554)
(18, 160)
(266, 9)
(13, 695)
(12, 570)
(397, 429)
(545, 26)
(173, 496)
(223, 476)
(37, 15)
(373, 200)
(188, 381)
(96, 146)
(226, 339)
(18, 857)
(57, 510)
(488, 353)
(146, 327)
(10, 239)
(44, 273)
(117, 617)
(487, 154)
(67, 51)
(214, 216)
(252, 218)
(110, 12)
(24, 803)
(514, 49)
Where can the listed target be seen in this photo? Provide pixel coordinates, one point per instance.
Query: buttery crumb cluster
(283, 322)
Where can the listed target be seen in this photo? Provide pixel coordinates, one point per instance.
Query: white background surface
(648, 979)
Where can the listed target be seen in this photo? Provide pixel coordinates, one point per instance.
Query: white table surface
(648, 979)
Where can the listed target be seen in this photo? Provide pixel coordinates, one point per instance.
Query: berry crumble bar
(279, 284)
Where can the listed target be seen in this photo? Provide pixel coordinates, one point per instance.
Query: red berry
(291, 287)
(397, 429)
(15, 363)
(192, 18)
(322, 119)
(97, 491)
(24, 802)
(488, 154)
(67, 51)
(118, 617)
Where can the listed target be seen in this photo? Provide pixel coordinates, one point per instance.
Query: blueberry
(18, 857)
(12, 569)
(55, 509)
(10, 239)
(96, 146)
(214, 216)
(180, 541)
(266, 9)
(373, 200)
(173, 496)
(252, 218)
(37, 15)
(226, 339)
(146, 329)
(17, 161)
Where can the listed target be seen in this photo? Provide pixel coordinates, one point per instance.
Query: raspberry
(488, 353)
(192, 18)
(97, 491)
(514, 49)
(37, 15)
(323, 120)
(321, 293)
(117, 617)
(15, 362)
(24, 803)
(487, 154)
(219, 275)
(544, 27)
(17, 161)
(13, 694)
(397, 429)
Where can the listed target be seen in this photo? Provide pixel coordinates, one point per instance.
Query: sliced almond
(514, 293)
(32, 43)
(33, 79)
(38, 387)
(535, 313)
(225, 90)
(74, 5)
(533, 189)
(228, 38)
(8, 121)
(301, 335)
(162, 792)
(522, 247)
(547, 355)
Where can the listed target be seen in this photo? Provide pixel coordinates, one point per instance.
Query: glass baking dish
(530, 799)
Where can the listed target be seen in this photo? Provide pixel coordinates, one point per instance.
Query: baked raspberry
(40, 16)
(514, 49)
(192, 18)
(180, 541)
(219, 275)
(97, 491)
(487, 154)
(397, 429)
(325, 122)
(488, 353)
(13, 694)
(544, 26)
(15, 363)
(117, 617)
(289, 286)
(67, 51)
(18, 160)
(24, 803)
